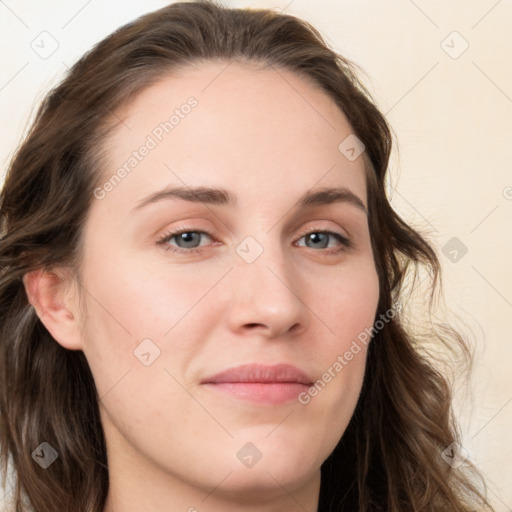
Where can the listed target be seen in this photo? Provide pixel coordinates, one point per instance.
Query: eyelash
(346, 242)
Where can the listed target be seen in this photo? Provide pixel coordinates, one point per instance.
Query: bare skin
(175, 443)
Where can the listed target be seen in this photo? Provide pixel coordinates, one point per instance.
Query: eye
(185, 240)
(323, 239)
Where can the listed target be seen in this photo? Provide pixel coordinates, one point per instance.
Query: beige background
(451, 110)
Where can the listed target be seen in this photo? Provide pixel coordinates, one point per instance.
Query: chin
(270, 481)
(269, 463)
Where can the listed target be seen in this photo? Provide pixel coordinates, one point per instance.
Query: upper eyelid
(318, 229)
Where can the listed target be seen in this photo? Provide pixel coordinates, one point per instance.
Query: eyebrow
(222, 197)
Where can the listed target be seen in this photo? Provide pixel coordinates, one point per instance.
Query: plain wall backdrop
(442, 73)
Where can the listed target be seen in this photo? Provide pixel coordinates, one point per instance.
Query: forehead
(243, 126)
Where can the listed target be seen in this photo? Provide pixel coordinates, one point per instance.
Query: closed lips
(260, 373)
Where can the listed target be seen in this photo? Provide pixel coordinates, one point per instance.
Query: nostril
(295, 327)
(253, 325)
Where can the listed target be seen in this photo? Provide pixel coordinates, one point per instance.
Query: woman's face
(261, 276)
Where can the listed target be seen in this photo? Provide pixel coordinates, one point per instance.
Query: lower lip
(271, 393)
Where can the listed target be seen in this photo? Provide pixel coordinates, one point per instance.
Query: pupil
(317, 237)
(188, 238)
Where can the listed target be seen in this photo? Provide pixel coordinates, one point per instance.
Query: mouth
(261, 384)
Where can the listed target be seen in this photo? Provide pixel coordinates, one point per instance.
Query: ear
(54, 297)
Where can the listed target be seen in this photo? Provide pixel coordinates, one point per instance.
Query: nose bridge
(264, 258)
(268, 292)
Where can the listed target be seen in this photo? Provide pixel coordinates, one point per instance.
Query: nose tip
(268, 299)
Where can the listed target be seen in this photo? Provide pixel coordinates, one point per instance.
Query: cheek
(130, 300)
(349, 306)
(139, 313)
(348, 312)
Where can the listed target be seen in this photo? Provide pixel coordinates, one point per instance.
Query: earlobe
(53, 297)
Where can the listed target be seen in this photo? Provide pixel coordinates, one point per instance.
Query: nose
(267, 297)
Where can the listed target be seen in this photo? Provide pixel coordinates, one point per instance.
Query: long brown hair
(389, 458)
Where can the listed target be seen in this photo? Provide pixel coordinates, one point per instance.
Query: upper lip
(260, 373)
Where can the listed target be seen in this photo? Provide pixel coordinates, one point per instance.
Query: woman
(201, 280)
